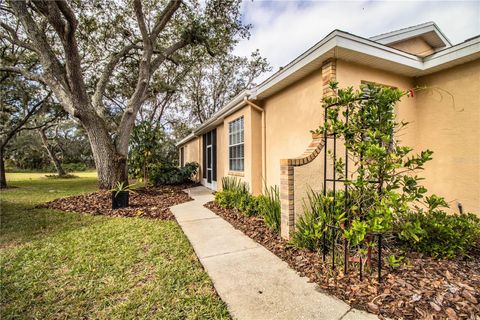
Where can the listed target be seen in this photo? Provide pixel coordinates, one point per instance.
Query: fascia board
(453, 53)
(400, 35)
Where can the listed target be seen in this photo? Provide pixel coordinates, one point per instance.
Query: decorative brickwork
(287, 183)
(287, 166)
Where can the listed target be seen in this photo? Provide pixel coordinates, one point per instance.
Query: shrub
(225, 199)
(269, 207)
(319, 212)
(235, 185)
(235, 195)
(170, 174)
(439, 234)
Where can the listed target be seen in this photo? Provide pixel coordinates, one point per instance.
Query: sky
(282, 30)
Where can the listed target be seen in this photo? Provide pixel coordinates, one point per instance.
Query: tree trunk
(3, 178)
(51, 153)
(111, 164)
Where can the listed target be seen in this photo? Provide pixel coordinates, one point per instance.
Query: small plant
(122, 187)
(269, 207)
(394, 262)
(235, 185)
(120, 194)
(319, 213)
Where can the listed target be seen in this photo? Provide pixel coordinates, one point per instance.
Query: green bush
(170, 174)
(319, 212)
(269, 207)
(235, 195)
(439, 234)
(225, 199)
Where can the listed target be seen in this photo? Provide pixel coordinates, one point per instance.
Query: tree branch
(25, 73)
(157, 62)
(22, 122)
(164, 17)
(137, 6)
(105, 77)
(14, 39)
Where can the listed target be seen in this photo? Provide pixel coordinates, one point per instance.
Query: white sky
(282, 30)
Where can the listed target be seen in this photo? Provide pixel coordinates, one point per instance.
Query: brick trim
(287, 189)
(287, 173)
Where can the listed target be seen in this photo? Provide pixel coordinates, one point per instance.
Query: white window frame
(236, 145)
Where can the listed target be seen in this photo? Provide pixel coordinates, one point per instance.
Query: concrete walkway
(254, 283)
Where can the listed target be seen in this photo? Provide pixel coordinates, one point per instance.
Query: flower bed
(421, 288)
(151, 203)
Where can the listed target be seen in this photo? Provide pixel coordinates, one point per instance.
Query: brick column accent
(329, 73)
(287, 166)
(287, 191)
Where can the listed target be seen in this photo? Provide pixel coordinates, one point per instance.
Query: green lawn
(66, 265)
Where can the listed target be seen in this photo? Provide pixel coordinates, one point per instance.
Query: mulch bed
(423, 288)
(152, 202)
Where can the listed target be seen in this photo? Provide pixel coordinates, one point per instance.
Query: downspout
(264, 139)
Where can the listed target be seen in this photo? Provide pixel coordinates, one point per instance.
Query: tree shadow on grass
(22, 223)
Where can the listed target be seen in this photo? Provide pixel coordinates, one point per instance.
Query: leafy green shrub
(439, 234)
(318, 213)
(235, 195)
(170, 174)
(225, 199)
(269, 207)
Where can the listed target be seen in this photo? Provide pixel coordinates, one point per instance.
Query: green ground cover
(66, 265)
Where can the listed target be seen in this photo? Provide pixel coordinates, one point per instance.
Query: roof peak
(429, 31)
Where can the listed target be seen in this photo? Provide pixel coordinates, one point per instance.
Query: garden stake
(324, 244)
(333, 249)
(345, 255)
(361, 276)
(379, 258)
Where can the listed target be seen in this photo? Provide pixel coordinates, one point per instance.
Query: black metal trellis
(334, 180)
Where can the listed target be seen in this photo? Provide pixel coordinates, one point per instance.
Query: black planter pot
(119, 199)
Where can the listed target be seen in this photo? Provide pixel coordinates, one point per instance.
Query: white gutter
(232, 106)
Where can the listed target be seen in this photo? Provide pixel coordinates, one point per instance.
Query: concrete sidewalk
(254, 283)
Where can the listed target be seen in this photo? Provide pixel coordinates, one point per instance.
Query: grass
(66, 265)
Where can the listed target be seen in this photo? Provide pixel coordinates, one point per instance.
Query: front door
(210, 159)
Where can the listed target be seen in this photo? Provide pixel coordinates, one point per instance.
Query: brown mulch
(151, 202)
(422, 288)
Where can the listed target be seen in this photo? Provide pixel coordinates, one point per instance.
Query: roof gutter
(234, 105)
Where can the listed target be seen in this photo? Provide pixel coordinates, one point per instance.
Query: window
(236, 144)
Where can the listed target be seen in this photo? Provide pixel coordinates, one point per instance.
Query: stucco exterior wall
(416, 46)
(192, 153)
(448, 123)
(289, 116)
(252, 173)
(350, 74)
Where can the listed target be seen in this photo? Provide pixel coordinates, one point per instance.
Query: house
(263, 136)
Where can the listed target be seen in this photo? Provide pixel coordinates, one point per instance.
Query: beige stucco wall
(416, 46)
(289, 116)
(350, 74)
(252, 174)
(192, 153)
(448, 122)
(450, 129)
